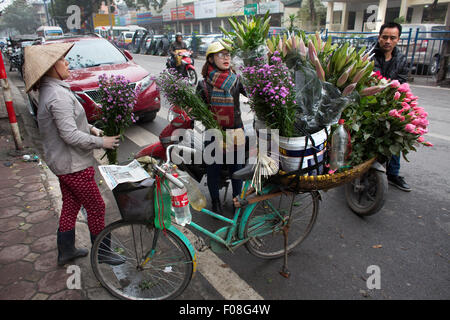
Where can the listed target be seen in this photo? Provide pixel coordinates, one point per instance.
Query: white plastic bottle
(339, 141)
(180, 203)
(196, 197)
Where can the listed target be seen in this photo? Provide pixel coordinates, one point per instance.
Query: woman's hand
(96, 131)
(111, 142)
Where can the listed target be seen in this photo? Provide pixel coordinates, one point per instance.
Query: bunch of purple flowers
(117, 100)
(271, 93)
(177, 90)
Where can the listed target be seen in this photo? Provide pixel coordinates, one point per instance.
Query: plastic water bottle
(180, 203)
(196, 197)
(339, 141)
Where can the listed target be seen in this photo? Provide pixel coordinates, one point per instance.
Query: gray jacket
(65, 132)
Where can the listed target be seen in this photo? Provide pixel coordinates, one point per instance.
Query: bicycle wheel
(265, 223)
(164, 276)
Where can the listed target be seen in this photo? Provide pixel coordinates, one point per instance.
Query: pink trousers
(80, 189)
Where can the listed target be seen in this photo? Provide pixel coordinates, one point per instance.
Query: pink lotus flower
(428, 144)
(420, 139)
(397, 95)
(413, 103)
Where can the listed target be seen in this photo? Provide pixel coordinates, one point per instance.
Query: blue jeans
(393, 167)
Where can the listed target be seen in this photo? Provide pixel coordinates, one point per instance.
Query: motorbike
(179, 119)
(186, 68)
(16, 61)
(366, 194)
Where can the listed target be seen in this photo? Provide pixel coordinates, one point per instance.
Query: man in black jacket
(392, 65)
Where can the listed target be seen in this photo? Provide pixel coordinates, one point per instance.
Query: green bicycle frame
(233, 229)
(234, 226)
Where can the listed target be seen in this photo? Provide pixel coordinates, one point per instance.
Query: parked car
(273, 31)
(125, 39)
(427, 49)
(49, 32)
(91, 57)
(207, 40)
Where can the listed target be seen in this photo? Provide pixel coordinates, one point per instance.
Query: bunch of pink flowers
(386, 121)
(411, 115)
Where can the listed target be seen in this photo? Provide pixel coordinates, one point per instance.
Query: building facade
(365, 16)
(201, 16)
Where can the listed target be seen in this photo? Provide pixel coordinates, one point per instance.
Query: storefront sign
(273, 7)
(144, 18)
(166, 15)
(251, 9)
(182, 13)
(230, 8)
(205, 9)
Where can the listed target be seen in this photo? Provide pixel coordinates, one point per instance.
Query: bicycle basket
(136, 203)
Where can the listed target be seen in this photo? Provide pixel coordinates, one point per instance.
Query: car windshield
(93, 53)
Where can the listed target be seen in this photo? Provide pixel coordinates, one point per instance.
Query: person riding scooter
(178, 44)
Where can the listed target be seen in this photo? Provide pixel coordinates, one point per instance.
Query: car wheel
(148, 116)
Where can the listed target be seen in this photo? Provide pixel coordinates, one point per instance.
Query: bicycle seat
(246, 173)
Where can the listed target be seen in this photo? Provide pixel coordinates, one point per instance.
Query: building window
(196, 27)
(187, 28)
(434, 15)
(216, 26)
(351, 20)
(206, 27)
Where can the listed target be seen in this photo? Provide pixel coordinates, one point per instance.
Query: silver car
(427, 49)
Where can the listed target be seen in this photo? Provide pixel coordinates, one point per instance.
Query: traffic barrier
(9, 105)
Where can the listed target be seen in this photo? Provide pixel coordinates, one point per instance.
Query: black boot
(217, 207)
(66, 247)
(105, 254)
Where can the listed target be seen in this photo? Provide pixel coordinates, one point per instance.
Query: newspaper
(115, 175)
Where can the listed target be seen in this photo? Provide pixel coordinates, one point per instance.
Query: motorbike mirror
(128, 54)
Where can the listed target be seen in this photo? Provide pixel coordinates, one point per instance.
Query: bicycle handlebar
(166, 174)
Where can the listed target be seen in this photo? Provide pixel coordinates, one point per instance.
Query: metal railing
(422, 48)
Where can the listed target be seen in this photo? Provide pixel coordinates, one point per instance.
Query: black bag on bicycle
(136, 203)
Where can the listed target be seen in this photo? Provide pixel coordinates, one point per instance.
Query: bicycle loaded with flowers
(302, 85)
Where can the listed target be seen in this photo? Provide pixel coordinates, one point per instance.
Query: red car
(93, 56)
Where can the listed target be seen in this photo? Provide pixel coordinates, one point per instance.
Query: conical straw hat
(40, 58)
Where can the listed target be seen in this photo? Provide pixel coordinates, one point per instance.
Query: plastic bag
(320, 104)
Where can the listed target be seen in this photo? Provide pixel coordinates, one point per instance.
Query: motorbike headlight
(145, 83)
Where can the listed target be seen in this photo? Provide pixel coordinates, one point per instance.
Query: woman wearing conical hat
(68, 142)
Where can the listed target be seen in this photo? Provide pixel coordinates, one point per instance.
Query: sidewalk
(28, 224)
(30, 202)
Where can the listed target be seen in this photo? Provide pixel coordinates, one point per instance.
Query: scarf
(222, 102)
